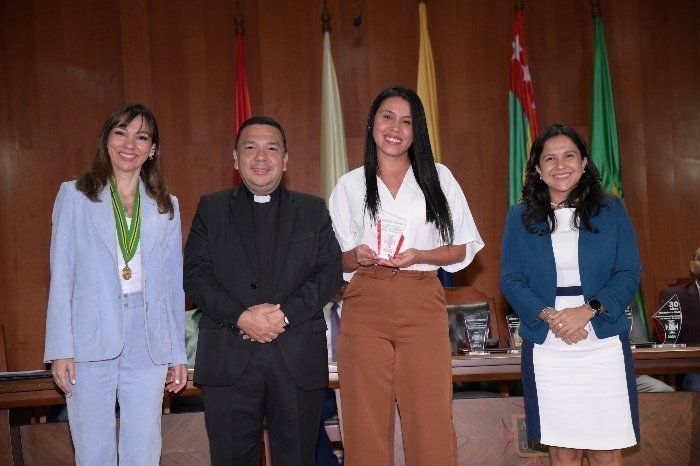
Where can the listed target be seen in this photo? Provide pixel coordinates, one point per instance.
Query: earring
(150, 156)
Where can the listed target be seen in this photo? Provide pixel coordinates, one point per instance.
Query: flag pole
(325, 18)
(238, 19)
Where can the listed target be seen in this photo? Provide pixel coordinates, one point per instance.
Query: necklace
(558, 206)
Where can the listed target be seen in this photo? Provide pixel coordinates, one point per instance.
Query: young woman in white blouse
(398, 219)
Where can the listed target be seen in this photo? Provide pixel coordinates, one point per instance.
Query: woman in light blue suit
(115, 321)
(569, 268)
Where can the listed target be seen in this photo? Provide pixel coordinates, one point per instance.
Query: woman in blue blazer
(115, 320)
(569, 268)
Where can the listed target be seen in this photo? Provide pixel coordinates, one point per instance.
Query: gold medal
(128, 234)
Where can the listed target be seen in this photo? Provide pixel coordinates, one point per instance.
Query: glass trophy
(477, 329)
(628, 313)
(515, 341)
(390, 237)
(667, 321)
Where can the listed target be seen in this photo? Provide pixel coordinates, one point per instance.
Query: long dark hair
(92, 182)
(420, 154)
(586, 197)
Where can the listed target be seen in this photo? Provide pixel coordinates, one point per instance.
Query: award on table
(667, 321)
(477, 331)
(515, 341)
(628, 313)
(390, 230)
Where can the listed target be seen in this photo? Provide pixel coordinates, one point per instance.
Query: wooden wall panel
(65, 65)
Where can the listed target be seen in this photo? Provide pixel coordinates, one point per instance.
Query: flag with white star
(521, 111)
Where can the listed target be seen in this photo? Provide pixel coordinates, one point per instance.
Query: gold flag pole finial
(325, 19)
(519, 4)
(595, 8)
(240, 27)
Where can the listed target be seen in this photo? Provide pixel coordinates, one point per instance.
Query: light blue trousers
(133, 380)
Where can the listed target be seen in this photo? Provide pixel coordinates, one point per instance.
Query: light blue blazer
(608, 263)
(85, 318)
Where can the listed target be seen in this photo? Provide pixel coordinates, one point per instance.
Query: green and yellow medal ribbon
(128, 236)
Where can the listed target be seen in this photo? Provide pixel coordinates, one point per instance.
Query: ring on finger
(561, 325)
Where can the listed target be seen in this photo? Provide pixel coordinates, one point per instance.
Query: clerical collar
(262, 199)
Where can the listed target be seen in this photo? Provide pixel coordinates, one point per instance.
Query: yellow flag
(426, 88)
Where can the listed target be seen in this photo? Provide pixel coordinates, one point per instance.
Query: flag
(334, 156)
(427, 91)
(242, 99)
(426, 88)
(605, 151)
(604, 148)
(521, 111)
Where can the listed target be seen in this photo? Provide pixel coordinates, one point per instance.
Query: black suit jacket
(221, 274)
(690, 308)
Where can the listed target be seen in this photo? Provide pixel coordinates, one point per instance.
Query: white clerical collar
(261, 199)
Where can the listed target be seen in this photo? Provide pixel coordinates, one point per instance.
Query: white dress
(581, 389)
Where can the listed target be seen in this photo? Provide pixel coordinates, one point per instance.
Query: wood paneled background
(66, 65)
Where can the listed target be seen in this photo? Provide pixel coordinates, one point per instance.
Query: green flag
(605, 151)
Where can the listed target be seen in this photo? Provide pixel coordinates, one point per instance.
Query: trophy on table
(477, 330)
(628, 313)
(515, 341)
(667, 322)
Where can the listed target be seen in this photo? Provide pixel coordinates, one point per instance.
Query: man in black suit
(689, 298)
(261, 262)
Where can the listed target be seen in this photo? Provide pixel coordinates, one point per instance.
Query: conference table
(487, 428)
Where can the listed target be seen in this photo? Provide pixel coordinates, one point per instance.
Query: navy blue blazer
(608, 263)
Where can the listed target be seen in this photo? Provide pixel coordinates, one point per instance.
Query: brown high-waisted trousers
(394, 346)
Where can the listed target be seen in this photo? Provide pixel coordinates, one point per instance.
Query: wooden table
(506, 366)
(37, 388)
